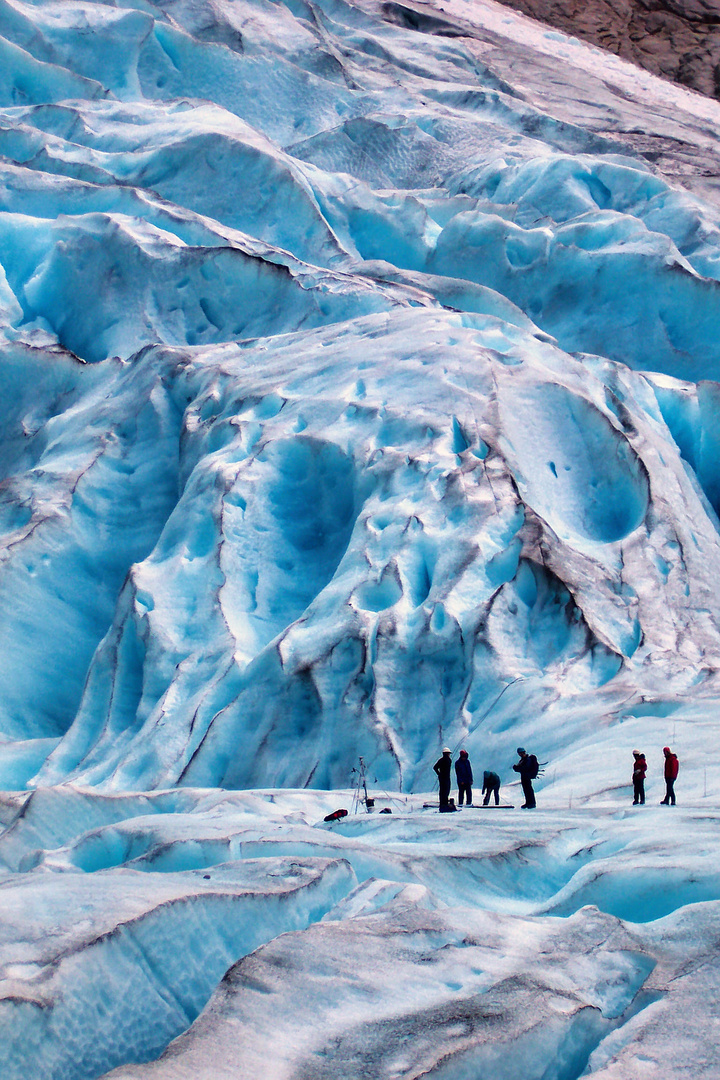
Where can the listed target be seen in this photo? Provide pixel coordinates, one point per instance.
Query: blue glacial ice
(376, 418)
(358, 395)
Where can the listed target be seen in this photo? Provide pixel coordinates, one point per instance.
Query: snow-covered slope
(399, 391)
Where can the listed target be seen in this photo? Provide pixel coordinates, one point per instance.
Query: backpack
(534, 767)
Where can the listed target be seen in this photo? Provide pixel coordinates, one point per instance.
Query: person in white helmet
(442, 768)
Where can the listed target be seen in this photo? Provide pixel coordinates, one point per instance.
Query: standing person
(464, 774)
(638, 776)
(442, 768)
(528, 768)
(491, 785)
(671, 771)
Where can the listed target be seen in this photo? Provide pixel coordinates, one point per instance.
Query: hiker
(638, 776)
(491, 785)
(528, 768)
(442, 768)
(464, 774)
(670, 772)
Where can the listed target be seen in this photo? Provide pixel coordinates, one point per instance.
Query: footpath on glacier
(359, 387)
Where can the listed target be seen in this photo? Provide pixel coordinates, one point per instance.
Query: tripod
(360, 791)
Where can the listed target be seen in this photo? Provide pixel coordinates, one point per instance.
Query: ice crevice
(62, 1022)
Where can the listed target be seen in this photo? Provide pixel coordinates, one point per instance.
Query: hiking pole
(519, 678)
(356, 789)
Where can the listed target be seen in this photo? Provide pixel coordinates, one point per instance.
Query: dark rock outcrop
(677, 39)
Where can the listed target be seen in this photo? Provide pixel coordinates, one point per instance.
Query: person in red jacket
(639, 770)
(671, 771)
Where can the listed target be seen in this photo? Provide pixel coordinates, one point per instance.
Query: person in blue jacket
(491, 786)
(464, 773)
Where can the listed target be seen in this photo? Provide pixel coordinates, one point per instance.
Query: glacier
(443, 318)
(360, 382)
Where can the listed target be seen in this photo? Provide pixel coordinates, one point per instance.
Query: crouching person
(491, 786)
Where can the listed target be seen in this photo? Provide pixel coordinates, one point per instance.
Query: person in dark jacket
(442, 768)
(528, 772)
(670, 772)
(638, 776)
(491, 785)
(464, 774)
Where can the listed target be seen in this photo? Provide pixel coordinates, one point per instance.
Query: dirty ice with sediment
(360, 395)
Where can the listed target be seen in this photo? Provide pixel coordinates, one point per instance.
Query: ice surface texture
(398, 391)
(402, 946)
